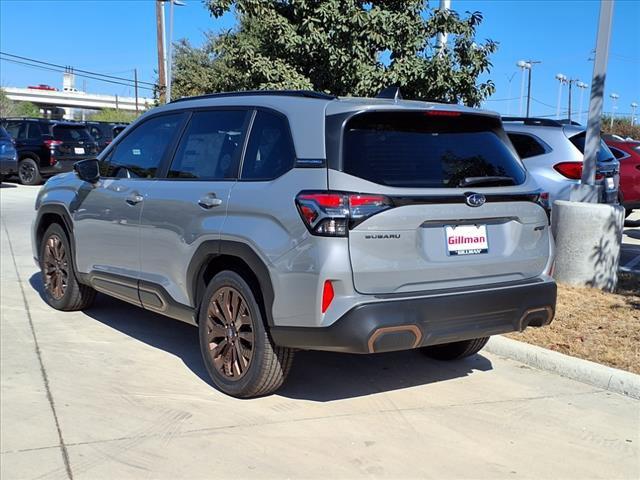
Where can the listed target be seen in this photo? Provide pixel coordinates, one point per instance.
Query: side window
(33, 133)
(13, 128)
(140, 153)
(270, 152)
(617, 153)
(526, 146)
(210, 147)
(95, 132)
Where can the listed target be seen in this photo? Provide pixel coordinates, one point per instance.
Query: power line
(42, 67)
(74, 69)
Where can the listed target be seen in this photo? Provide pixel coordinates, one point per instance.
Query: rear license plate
(466, 239)
(78, 150)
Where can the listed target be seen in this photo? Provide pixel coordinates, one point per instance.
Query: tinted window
(210, 147)
(406, 149)
(13, 128)
(526, 145)
(604, 154)
(33, 131)
(618, 153)
(69, 133)
(140, 153)
(270, 151)
(95, 132)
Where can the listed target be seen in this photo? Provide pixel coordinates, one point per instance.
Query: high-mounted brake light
(442, 113)
(332, 214)
(572, 170)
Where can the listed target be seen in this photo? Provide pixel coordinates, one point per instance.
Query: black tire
(73, 295)
(267, 366)
(29, 172)
(455, 350)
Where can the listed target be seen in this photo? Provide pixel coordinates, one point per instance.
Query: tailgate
(424, 247)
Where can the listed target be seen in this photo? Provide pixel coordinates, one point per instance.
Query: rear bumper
(61, 166)
(417, 322)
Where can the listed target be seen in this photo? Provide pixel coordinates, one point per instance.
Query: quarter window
(210, 147)
(526, 145)
(270, 151)
(140, 154)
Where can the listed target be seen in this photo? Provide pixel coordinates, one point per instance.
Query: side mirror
(88, 170)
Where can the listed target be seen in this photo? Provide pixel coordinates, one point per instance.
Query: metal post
(521, 92)
(162, 79)
(441, 38)
(529, 89)
(169, 45)
(135, 79)
(634, 105)
(592, 141)
(569, 107)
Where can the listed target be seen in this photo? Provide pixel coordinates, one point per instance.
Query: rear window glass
(526, 146)
(604, 154)
(419, 150)
(71, 133)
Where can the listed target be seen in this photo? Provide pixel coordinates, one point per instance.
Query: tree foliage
(9, 108)
(344, 47)
(113, 115)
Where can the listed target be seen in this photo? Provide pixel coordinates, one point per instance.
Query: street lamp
(170, 46)
(562, 79)
(634, 105)
(522, 65)
(614, 106)
(582, 86)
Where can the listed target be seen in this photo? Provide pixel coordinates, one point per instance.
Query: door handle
(209, 201)
(134, 198)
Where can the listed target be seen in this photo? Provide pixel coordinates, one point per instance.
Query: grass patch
(594, 325)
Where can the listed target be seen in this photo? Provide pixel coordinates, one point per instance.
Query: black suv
(48, 147)
(104, 132)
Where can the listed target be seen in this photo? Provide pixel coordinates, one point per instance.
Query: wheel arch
(214, 256)
(49, 214)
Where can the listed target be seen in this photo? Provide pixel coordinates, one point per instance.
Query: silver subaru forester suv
(277, 221)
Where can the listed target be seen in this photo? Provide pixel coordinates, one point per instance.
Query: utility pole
(441, 38)
(531, 64)
(162, 79)
(135, 80)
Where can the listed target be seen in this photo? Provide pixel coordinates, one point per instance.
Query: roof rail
(543, 122)
(283, 93)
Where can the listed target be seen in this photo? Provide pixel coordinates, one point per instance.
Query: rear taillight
(572, 170)
(333, 214)
(51, 144)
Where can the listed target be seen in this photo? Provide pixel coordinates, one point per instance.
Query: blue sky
(114, 36)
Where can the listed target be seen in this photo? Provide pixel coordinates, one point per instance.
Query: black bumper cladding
(418, 322)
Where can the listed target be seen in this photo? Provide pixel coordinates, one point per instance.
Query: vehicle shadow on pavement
(316, 376)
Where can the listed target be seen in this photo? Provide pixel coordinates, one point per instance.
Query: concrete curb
(600, 376)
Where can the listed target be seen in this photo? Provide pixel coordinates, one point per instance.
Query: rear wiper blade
(488, 181)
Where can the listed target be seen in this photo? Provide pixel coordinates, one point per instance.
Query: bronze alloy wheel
(55, 267)
(230, 333)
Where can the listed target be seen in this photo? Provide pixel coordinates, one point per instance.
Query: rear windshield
(604, 154)
(71, 133)
(426, 150)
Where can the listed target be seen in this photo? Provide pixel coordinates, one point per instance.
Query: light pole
(522, 65)
(634, 105)
(562, 79)
(614, 106)
(170, 47)
(582, 86)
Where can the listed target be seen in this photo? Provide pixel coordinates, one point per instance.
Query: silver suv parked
(553, 152)
(277, 221)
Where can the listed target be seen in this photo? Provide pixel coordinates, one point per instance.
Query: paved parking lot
(117, 392)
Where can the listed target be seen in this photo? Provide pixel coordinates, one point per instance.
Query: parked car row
(47, 147)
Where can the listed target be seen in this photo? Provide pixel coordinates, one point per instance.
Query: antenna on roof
(392, 93)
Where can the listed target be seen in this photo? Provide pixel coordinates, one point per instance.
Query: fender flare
(213, 248)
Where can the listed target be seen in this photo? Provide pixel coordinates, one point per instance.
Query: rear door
(189, 205)
(434, 232)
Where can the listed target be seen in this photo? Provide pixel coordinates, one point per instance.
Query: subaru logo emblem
(475, 199)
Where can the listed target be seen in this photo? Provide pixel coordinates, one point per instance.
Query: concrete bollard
(588, 238)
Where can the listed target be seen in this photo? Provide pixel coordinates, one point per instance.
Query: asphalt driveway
(118, 392)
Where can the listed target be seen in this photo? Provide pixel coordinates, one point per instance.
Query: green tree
(27, 109)
(9, 108)
(344, 47)
(113, 115)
